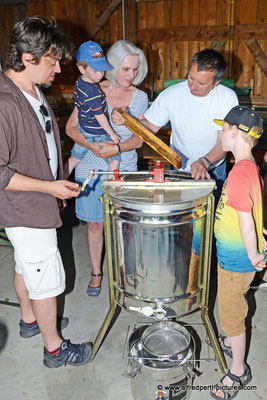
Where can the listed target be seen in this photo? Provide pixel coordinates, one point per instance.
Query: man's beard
(46, 85)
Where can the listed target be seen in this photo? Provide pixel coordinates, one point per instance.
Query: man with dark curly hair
(32, 185)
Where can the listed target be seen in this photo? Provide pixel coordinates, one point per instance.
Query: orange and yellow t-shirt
(242, 191)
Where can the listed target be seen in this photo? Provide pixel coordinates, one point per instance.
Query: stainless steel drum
(158, 240)
(156, 378)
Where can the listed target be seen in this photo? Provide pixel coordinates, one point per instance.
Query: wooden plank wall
(172, 31)
(169, 32)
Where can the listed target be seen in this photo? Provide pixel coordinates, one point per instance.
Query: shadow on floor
(3, 335)
(65, 245)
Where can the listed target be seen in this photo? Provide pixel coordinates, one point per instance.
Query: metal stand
(112, 304)
(205, 290)
(109, 319)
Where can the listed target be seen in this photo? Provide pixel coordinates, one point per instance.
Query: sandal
(94, 290)
(226, 349)
(231, 391)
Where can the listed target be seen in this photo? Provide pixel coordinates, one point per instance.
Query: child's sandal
(226, 349)
(230, 392)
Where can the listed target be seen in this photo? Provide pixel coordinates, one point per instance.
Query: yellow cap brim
(219, 122)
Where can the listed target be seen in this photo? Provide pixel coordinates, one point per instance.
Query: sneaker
(28, 331)
(73, 354)
(259, 284)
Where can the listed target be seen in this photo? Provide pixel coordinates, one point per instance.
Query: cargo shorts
(38, 259)
(232, 300)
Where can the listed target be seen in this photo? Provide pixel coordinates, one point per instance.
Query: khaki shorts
(38, 259)
(232, 301)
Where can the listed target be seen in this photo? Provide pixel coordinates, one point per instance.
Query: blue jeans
(219, 175)
(80, 151)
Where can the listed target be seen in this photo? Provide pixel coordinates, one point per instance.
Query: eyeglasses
(45, 114)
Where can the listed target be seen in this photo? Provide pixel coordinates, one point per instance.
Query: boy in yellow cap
(239, 241)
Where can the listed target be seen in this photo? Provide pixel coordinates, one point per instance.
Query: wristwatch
(119, 150)
(209, 164)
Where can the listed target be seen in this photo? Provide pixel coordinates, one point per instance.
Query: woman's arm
(109, 149)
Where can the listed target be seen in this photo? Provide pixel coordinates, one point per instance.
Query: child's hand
(115, 138)
(258, 261)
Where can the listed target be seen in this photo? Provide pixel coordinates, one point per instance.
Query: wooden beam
(131, 21)
(217, 45)
(182, 34)
(242, 32)
(258, 54)
(153, 141)
(103, 19)
(201, 33)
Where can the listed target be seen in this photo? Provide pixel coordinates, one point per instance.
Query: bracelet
(209, 164)
(119, 150)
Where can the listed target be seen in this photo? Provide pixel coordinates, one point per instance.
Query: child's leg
(238, 345)
(113, 164)
(238, 367)
(69, 165)
(233, 309)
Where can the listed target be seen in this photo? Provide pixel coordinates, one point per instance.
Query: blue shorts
(80, 151)
(88, 206)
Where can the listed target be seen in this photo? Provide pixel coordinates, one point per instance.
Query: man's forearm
(26, 184)
(153, 128)
(61, 189)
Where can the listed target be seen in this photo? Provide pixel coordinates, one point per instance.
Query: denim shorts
(80, 151)
(88, 206)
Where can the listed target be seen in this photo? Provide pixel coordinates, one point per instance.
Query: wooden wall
(169, 32)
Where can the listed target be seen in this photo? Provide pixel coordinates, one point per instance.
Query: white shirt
(51, 143)
(194, 133)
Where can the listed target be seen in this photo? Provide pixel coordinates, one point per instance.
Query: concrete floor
(23, 376)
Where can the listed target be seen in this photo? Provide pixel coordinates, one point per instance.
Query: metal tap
(87, 180)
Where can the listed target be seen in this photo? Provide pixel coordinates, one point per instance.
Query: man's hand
(198, 170)
(116, 117)
(63, 189)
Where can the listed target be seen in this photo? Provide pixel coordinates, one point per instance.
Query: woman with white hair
(129, 70)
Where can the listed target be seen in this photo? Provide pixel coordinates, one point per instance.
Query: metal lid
(137, 192)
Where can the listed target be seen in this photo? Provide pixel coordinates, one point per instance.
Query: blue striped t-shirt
(90, 100)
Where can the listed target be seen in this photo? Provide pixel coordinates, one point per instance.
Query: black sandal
(226, 349)
(94, 291)
(230, 392)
